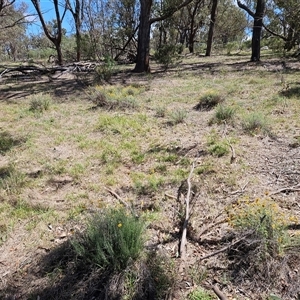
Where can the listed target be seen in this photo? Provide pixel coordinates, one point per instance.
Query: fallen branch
(220, 295)
(117, 196)
(227, 247)
(295, 188)
(182, 250)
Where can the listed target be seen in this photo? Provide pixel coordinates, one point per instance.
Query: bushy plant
(209, 100)
(112, 239)
(223, 113)
(254, 123)
(106, 70)
(200, 294)
(166, 54)
(40, 103)
(216, 146)
(266, 219)
(178, 116)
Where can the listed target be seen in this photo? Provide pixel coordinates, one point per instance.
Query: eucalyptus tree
(55, 36)
(257, 15)
(146, 19)
(76, 8)
(213, 17)
(13, 24)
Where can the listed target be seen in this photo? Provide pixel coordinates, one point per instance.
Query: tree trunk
(142, 59)
(257, 28)
(213, 16)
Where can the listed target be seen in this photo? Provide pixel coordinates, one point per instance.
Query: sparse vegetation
(65, 171)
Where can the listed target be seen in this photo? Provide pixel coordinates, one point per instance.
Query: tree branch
(246, 8)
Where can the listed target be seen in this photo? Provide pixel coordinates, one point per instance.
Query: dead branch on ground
(182, 250)
(220, 295)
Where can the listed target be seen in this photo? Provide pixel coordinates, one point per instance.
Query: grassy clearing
(59, 156)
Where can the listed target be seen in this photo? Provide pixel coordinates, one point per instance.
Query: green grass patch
(112, 240)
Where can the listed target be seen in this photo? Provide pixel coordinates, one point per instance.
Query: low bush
(209, 100)
(112, 239)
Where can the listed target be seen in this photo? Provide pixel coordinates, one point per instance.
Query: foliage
(178, 116)
(216, 146)
(209, 100)
(200, 294)
(223, 113)
(255, 123)
(7, 141)
(112, 240)
(114, 97)
(106, 70)
(166, 54)
(266, 219)
(40, 103)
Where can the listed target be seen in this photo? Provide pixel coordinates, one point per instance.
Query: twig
(182, 250)
(117, 196)
(241, 190)
(225, 248)
(170, 196)
(220, 295)
(233, 155)
(294, 188)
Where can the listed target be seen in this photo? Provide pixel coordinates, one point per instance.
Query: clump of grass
(209, 100)
(223, 113)
(178, 116)
(200, 294)
(161, 111)
(106, 69)
(40, 103)
(255, 123)
(112, 239)
(11, 180)
(7, 141)
(216, 146)
(109, 99)
(147, 184)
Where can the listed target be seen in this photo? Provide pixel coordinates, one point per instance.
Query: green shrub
(178, 116)
(200, 294)
(7, 141)
(266, 219)
(40, 103)
(106, 70)
(166, 54)
(216, 146)
(254, 123)
(223, 113)
(111, 241)
(209, 100)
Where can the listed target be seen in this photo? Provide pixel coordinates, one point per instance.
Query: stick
(225, 248)
(182, 250)
(117, 196)
(294, 188)
(220, 295)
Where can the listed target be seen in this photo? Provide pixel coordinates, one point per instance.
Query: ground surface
(75, 158)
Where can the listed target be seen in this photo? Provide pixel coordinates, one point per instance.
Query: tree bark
(142, 60)
(143, 51)
(213, 16)
(257, 26)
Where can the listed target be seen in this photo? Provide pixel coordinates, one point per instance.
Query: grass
(117, 136)
(255, 123)
(112, 240)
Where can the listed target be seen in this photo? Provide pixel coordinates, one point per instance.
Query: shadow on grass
(59, 275)
(292, 92)
(7, 141)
